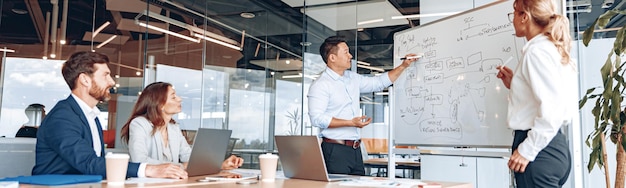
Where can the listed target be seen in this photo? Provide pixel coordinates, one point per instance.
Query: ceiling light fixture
(46, 36)
(415, 16)
(63, 41)
(197, 32)
(370, 21)
(208, 18)
(106, 41)
(104, 25)
(247, 15)
(168, 32)
(299, 75)
(19, 11)
(53, 27)
(217, 41)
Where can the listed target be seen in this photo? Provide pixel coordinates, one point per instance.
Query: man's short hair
(81, 62)
(330, 46)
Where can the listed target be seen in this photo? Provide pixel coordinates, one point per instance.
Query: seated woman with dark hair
(153, 136)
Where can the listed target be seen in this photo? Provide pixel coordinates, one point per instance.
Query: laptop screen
(208, 151)
(301, 157)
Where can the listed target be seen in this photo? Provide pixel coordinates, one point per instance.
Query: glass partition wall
(242, 65)
(237, 64)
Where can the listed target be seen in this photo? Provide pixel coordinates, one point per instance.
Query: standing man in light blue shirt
(334, 105)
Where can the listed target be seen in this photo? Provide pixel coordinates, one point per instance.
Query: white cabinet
(481, 172)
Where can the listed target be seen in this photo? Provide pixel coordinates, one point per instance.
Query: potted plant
(294, 122)
(609, 116)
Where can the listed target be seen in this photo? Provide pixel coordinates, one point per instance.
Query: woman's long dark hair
(149, 105)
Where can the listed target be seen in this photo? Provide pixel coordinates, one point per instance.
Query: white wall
(590, 60)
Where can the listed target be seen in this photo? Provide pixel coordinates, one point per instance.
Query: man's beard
(99, 93)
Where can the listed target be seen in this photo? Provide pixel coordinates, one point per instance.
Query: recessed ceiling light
(247, 15)
(305, 43)
(19, 11)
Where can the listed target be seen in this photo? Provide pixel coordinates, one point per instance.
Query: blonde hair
(555, 26)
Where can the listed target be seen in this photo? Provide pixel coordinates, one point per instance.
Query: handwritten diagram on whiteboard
(451, 96)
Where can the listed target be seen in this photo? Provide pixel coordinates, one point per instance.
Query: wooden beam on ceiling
(37, 16)
(117, 18)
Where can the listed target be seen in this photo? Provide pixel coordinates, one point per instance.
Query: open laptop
(302, 158)
(208, 151)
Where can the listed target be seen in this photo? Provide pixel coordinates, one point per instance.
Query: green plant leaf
(606, 72)
(582, 102)
(604, 19)
(588, 34)
(616, 111)
(619, 41)
(609, 118)
(588, 95)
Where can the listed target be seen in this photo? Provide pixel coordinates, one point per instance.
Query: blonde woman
(542, 95)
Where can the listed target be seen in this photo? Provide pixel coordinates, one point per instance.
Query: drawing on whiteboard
(451, 96)
(429, 93)
(483, 29)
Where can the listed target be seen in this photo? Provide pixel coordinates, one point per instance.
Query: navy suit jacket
(64, 144)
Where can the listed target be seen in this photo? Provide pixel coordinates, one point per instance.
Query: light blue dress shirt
(332, 95)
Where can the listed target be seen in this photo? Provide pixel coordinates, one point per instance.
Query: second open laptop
(208, 151)
(301, 158)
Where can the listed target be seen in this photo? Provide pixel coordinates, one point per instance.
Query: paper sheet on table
(149, 180)
(382, 182)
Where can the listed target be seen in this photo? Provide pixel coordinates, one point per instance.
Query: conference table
(279, 183)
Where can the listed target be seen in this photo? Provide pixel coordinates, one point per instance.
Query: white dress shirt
(332, 95)
(543, 95)
(91, 114)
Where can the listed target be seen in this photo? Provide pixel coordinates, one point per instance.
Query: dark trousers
(342, 159)
(550, 168)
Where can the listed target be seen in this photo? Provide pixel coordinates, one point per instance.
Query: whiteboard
(451, 96)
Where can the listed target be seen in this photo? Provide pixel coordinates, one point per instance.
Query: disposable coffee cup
(116, 165)
(268, 162)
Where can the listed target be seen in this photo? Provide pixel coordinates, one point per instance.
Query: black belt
(352, 143)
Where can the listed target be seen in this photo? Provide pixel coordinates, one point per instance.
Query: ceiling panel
(135, 6)
(101, 37)
(346, 16)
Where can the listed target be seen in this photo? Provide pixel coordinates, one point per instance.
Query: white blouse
(543, 95)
